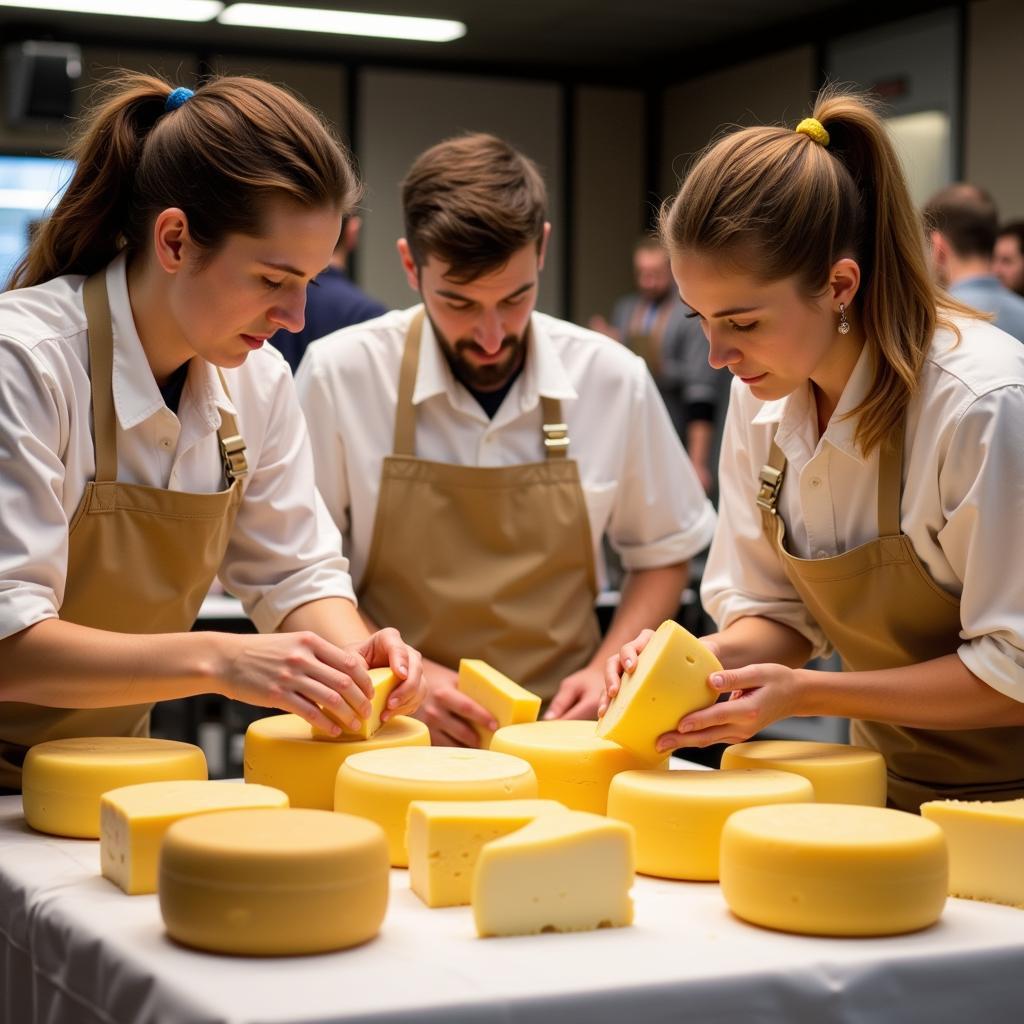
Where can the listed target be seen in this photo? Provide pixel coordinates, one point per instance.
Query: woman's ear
(844, 282)
(171, 239)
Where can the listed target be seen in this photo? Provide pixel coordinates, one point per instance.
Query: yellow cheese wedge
(444, 838)
(273, 882)
(280, 751)
(133, 820)
(574, 765)
(986, 847)
(63, 780)
(384, 683)
(564, 872)
(669, 681)
(840, 774)
(678, 816)
(509, 702)
(381, 784)
(833, 869)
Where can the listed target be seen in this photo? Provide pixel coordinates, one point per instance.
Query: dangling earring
(844, 324)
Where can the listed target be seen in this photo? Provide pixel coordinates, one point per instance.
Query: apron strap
(101, 373)
(890, 483)
(232, 447)
(772, 474)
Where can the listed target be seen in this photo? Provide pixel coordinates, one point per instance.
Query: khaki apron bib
(140, 559)
(647, 343)
(880, 609)
(484, 562)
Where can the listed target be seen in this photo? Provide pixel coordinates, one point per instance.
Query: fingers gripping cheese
(384, 684)
(509, 702)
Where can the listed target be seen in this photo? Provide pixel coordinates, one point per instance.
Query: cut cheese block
(384, 683)
(840, 774)
(986, 847)
(381, 784)
(280, 751)
(833, 869)
(133, 820)
(509, 702)
(669, 681)
(273, 882)
(564, 872)
(678, 816)
(574, 765)
(63, 780)
(444, 838)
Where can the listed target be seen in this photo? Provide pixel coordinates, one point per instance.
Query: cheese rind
(679, 816)
(509, 702)
(63, 780)
(561, 872)
(840, 773)
(444, 838)
(280, 751)
(986, 847)
(381, 784)
(384, 684)
(833, 869)
(134, 820)
(669, 681)
(574, 765)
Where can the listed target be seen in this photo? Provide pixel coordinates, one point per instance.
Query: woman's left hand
(386, 649)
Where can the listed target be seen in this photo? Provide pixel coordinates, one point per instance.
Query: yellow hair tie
(815, 129)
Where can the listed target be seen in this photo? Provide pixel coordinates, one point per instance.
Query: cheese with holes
(444, 838)
(678, 816)
(280, 751)
(840, 774)
(564, 872)
(509, 702)
(669, 681)
(133, 820)
(63, 780)
(986, 847)
(574, 765)
(384, 684)
(273, 882)
(833, 869)
(381, 784)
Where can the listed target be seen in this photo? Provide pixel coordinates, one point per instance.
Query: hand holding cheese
(506, 700)
(384, 683)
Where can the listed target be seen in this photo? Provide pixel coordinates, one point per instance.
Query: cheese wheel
(384, 684)
(833, 869)
(63, 780)
(280, 751)
(840, 774)
(133, 820)
(574, 765)
(669, 681)
(509, 702)
(678, 816)
(273, 882)
(381, 784)
(560, 873)
(444, 838)
(986, 847)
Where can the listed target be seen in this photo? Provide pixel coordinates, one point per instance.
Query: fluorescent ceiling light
(168, 10)
(346, 23)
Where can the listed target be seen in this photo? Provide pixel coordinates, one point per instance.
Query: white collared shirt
(639, 485)
(284, 550)
(961, 507)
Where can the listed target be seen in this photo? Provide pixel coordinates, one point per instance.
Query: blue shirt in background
(987, 293)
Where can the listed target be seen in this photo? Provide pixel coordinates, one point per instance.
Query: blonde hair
(779, 204)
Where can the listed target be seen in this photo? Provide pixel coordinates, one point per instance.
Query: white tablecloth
(75, 950)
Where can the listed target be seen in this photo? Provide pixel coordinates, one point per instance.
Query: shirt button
(821, 553)
(815, 481)
(166, 442)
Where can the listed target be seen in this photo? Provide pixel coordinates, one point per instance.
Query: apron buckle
(771, 484)
(232, 450)
(556, 439)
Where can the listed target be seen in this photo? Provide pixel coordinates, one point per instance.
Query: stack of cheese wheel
(840, 774)
(63, 780)
(281, 751)
(678, 816)
(574, 765)
(380, 784)
(273, 882)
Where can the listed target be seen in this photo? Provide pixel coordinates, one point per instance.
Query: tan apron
(140, 559)
(880, 609)
(484, 562)
(647, 343)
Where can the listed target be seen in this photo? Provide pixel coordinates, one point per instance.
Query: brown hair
(472, 202)
(966, 215)
(774, 200)
(220, 156)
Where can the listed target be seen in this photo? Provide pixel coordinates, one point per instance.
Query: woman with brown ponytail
(872, 471)
(148, 440)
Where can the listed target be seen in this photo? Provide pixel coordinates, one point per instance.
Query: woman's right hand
(619, 664)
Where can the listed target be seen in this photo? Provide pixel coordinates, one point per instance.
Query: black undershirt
(175, 385)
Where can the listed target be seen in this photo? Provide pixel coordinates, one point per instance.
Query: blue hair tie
(177, 98)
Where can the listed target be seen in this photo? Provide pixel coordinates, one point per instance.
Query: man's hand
(448, 713)
(578, 696)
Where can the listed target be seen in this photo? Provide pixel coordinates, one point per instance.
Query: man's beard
(490, 376)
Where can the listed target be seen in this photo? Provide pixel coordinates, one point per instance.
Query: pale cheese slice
(509, 702)
(385, 682)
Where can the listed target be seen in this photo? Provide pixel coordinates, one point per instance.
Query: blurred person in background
(1008, 256)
